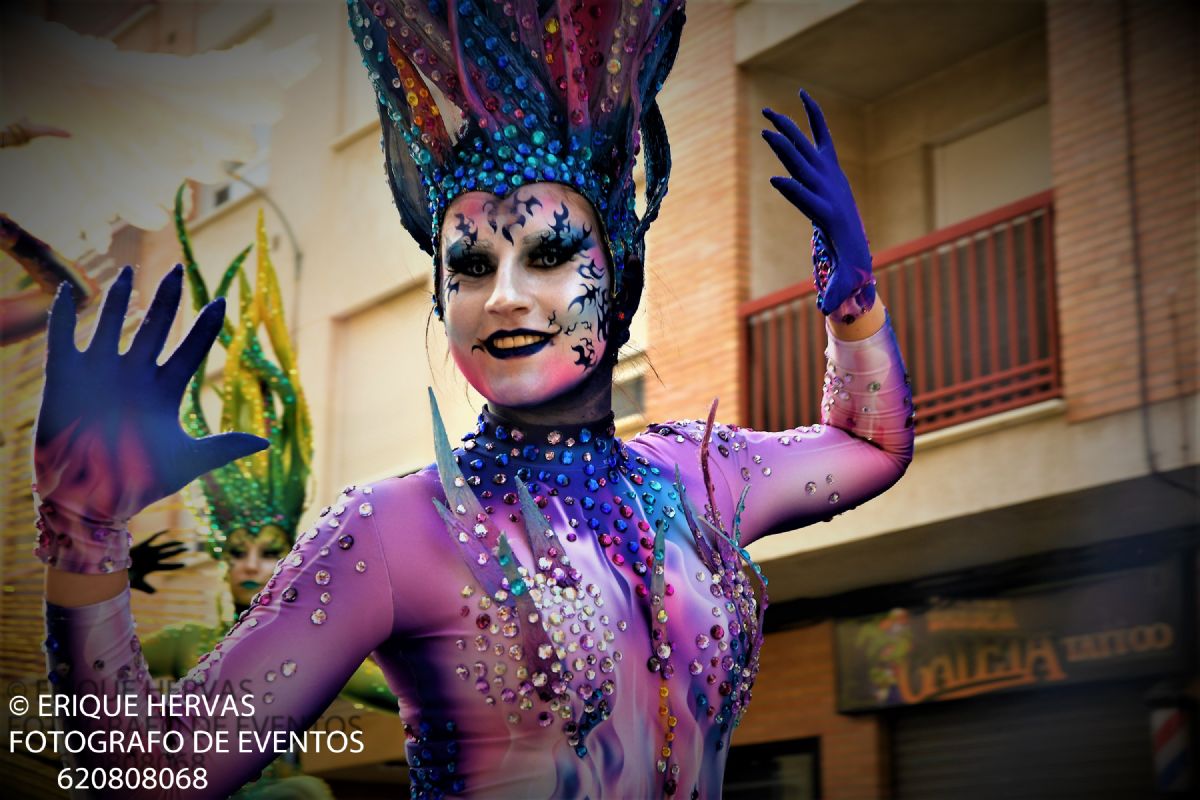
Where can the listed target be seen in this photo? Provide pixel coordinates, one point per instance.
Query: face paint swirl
(526, 287)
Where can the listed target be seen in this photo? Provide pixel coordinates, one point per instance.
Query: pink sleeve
(328, 606)
(795, 477)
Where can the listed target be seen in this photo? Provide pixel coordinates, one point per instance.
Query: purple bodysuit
(557, 614)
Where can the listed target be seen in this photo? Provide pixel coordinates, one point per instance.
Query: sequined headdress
(257, 395)
(549, 90)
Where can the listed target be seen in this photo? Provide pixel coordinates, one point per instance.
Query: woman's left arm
(861, 447)
(864, 442)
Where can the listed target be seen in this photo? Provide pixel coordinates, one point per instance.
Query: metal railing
(973, 306)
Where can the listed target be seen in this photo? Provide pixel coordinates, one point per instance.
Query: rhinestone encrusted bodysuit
(560, 613)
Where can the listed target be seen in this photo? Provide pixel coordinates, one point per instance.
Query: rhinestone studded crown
(558, 91)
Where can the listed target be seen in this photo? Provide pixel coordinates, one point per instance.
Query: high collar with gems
(556, 456)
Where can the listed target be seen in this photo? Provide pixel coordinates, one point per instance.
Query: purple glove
(108, 441)
(818, 187)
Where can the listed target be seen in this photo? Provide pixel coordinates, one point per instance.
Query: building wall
(1098, 242)
(795, 697)
(697, 269)
(965, 98)
(1095, 436)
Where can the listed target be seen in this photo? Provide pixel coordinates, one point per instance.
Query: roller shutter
(1090, 742)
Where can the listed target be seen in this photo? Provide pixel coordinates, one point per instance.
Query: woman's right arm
(327, 607)
(108, 443)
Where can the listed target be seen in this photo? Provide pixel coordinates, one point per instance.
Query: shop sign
(1120, 624)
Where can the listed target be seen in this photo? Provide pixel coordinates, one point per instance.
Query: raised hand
(818, 187)
(108, 440)
(147, 557)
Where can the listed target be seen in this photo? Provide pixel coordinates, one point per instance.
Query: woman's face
(251, 559)
(526, 291)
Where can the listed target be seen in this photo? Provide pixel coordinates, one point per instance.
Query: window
(213, 196)
(629, 397)
(992, 167)
(774, 771)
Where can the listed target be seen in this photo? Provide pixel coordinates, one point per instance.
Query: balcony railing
(973, 308)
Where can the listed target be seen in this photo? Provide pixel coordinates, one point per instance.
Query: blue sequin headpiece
(546, 90)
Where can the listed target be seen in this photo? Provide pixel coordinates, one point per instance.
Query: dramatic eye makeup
(469, 260)
(467, 255)
(554, 251)
(561, 243)
(545, 251)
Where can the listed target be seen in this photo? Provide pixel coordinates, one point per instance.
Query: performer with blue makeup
(560, 613)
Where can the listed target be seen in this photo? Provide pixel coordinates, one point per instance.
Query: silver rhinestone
(318, 617)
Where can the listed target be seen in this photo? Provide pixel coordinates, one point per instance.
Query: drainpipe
(1143, 358)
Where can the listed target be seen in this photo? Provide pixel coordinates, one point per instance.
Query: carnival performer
(562, 614)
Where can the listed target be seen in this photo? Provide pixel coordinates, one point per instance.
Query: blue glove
(108, 440)
(818, 187)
